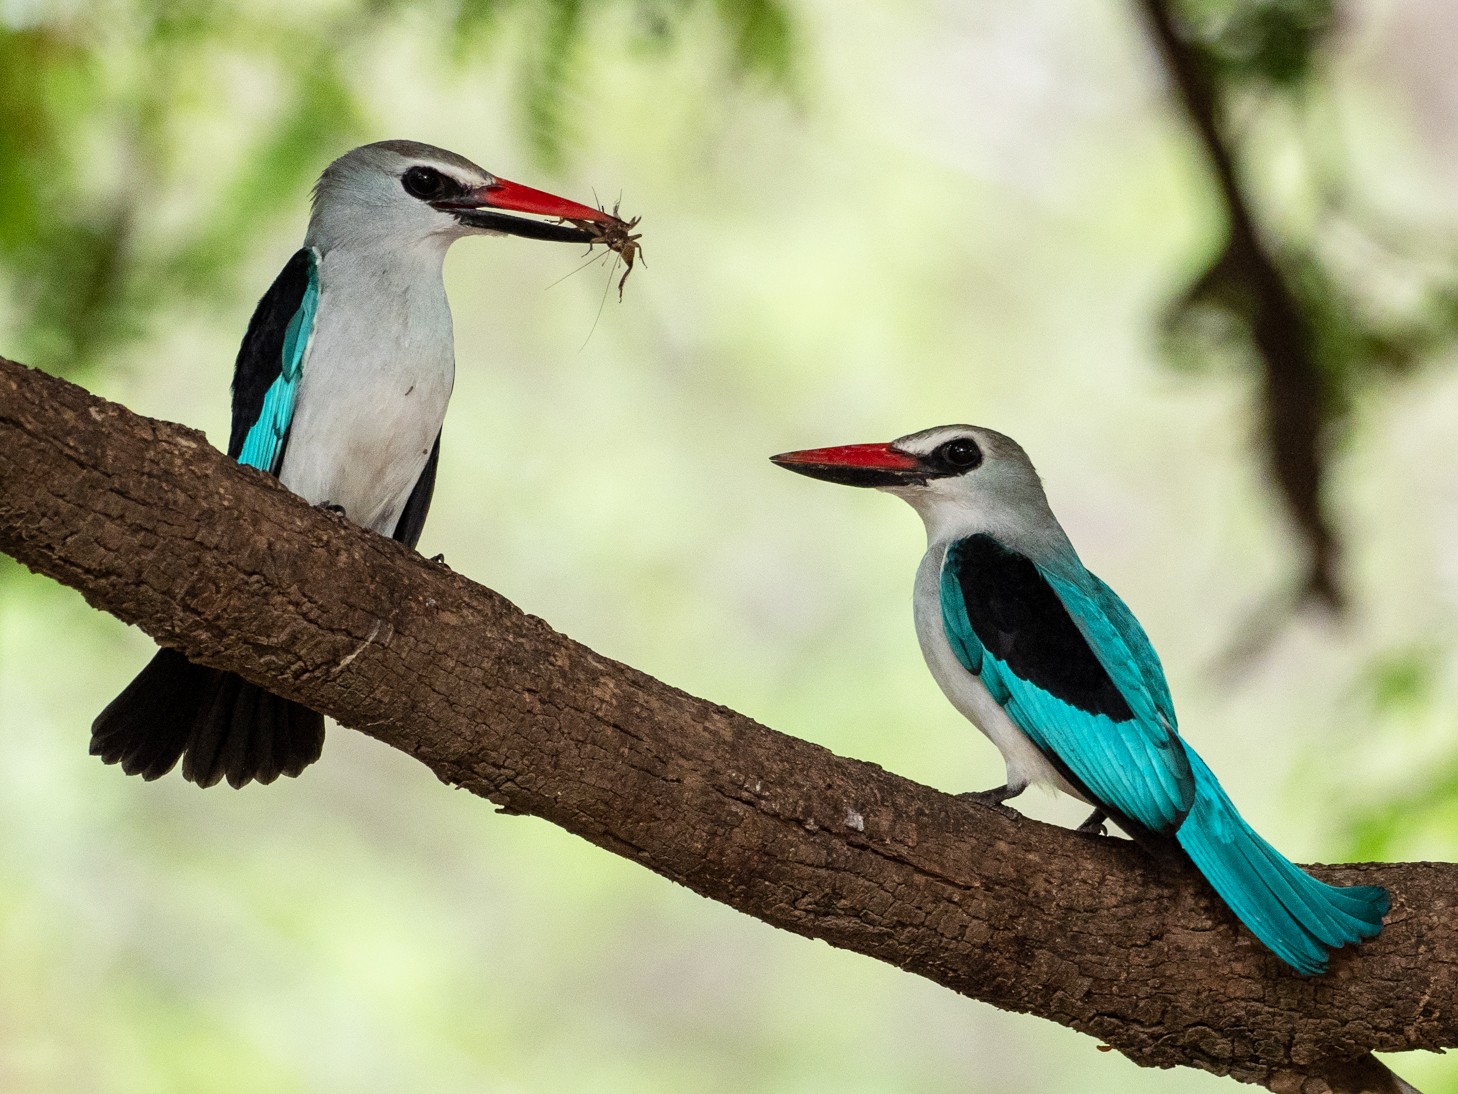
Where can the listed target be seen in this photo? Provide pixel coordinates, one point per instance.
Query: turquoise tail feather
(1298, 917)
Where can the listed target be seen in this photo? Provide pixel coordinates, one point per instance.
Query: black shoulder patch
(260, 357)
(1018, 617)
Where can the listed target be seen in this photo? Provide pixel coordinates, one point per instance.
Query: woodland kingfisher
(1051, 665)
(339, 389)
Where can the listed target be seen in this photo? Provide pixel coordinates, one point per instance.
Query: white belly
(966, 692)
(372, 398)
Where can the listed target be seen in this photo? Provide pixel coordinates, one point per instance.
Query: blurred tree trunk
(1245, 280)
(153, 525)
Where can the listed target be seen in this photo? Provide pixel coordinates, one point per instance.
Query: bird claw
(1094, 826)
(996, 797)
(439, 560)
(331, 507)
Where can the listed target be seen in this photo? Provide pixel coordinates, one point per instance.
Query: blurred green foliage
(1280, 294)
(1275, 43)
(1262, 54)
(95, 98)
(1403, 701)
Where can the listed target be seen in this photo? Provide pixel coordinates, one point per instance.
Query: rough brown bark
(156, 527)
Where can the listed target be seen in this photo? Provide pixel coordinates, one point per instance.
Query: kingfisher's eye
(960, 454)
(428, 184)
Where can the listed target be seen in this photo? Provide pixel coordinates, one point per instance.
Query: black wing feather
(412, 517)
(260, 357)
(1021, 620)
(218, 724)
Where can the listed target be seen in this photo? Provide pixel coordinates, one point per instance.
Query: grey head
(404, 194)
(962, 479)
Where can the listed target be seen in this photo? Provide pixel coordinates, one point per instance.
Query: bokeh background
(860, 220)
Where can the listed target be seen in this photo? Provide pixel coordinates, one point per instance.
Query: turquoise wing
(271, 364)
(1119, 642)
(1057, 658)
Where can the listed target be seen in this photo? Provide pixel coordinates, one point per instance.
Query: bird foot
(995, 797)
(439, 560)
(1094, 826)
(330, 507)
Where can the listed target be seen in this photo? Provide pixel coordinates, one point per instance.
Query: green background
(859, 221)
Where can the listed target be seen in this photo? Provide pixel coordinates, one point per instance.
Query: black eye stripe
(956, 456)
(428, 184)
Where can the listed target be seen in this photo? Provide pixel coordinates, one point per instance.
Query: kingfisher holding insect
(339, 390)
(1052, 666)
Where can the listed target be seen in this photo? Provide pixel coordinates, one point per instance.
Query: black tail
(216, 723)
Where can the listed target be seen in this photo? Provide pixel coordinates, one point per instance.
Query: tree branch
(156, 527)
(1295, 399)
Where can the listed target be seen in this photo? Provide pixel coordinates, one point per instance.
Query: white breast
(376, 381)
(966, 692)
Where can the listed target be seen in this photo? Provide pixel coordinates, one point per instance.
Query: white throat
(378, 376)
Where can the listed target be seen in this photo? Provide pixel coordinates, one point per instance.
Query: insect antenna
(608, 284)
(592, 256)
